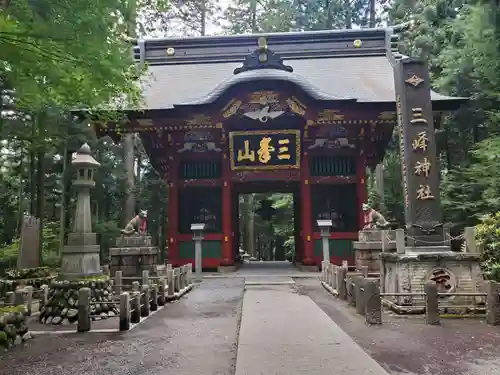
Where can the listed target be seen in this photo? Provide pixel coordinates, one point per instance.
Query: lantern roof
(83, 158)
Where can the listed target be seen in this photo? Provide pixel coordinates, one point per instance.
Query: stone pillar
(83, 324)
(124, 312)
(80, 257)
(372, 302)
(417, 141)
(400, 241)
(493, 304)
(431, 303)
(470, 240)
(197, 229)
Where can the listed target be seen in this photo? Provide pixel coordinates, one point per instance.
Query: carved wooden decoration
(296, 106)
(328, 116)
(199, 120)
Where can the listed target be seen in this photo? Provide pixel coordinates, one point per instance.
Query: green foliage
(472, 191)
(106, 231)
(28, 273)
(488, 239)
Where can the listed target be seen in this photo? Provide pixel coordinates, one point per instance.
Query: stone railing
(144, 298)
(363, 293)
(28, 296)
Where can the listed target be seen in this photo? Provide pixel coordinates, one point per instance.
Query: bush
(488, 240)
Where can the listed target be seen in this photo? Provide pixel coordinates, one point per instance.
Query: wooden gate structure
(304, 112)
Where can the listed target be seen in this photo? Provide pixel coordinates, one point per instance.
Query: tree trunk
(32, 167)
(371, 22)
(40, 177)
(128, 156)
(203, 20)
(62, 208)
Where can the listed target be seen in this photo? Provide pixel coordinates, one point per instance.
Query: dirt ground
(406, 345)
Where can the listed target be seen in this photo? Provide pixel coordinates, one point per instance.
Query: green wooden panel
(210, 249)
(333, 166)
(200, 170)
(338, 248)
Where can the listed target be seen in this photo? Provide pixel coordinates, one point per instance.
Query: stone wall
(457, 272)
(62, 303)
(13, 326)
(35, 277)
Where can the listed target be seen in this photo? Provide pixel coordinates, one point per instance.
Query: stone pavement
(288, 325)
(284, 333)
(196, 335)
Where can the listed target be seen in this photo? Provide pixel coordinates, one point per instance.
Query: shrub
(488, 240)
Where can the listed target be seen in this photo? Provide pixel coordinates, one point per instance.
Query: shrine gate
(304, 112)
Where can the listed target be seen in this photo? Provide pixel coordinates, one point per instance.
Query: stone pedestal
(132, 255)
(371, 243)
(453, 272)
(80, 257)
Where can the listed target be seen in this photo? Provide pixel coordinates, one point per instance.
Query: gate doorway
(266, 219)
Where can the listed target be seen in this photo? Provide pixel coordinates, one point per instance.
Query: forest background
(62, 54)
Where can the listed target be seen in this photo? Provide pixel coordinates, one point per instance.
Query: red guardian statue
(372, 218)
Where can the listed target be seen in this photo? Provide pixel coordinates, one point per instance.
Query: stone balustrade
(145, 296)
(363, 293)
(370, 244)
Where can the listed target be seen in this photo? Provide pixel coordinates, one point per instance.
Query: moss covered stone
(62, 303)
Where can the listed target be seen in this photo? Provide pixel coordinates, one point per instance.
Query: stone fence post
(29, 299)
(372, 301)
(83, 324)
(341, 283)
(162, 290)
(45, 294)
(145, 277)
(493, 303)
(145, 301)
(359, 292)
(431, 304)
(154, 298)
(135, 308)
(470, 240)
(171, 283)
(400, 241)
(124, 312)
(177, 281)
(190, 273)
(118, 282)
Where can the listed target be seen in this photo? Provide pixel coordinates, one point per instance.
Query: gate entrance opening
(267, 221)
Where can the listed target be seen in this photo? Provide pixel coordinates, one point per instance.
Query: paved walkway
(196, 335)
(284, 333)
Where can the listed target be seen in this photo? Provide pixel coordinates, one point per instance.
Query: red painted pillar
(306, 212)
(227, 214)
(173, 214)
(361, 185)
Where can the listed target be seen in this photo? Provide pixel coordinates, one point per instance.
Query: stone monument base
(370, 245)
(62, 302)
(454, 272)
(80, 257)
(132, 255)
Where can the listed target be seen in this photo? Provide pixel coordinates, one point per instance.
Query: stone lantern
(80, 257)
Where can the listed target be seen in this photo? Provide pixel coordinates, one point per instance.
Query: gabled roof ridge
(363, 42)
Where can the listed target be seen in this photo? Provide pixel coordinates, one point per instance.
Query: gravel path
(407, 346)
(196, 335)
